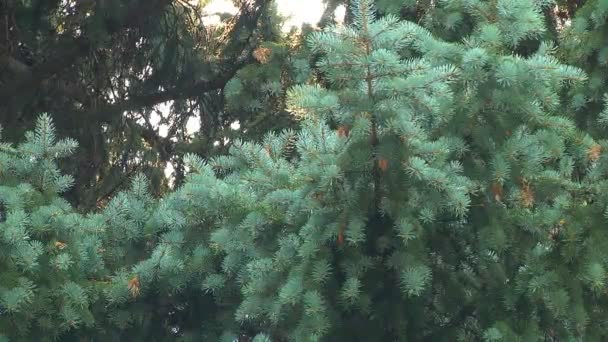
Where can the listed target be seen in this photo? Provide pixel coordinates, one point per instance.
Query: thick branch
(104, 113)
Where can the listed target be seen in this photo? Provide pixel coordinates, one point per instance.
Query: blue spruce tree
(437, 189)
(423, 197)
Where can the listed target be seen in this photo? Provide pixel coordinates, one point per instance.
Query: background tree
(101, 68)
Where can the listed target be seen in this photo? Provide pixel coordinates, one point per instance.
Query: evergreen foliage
(47, 251)
(437, 189)
(256, 95)
(583, 43)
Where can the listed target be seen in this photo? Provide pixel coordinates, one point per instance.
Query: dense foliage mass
(447, 181)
